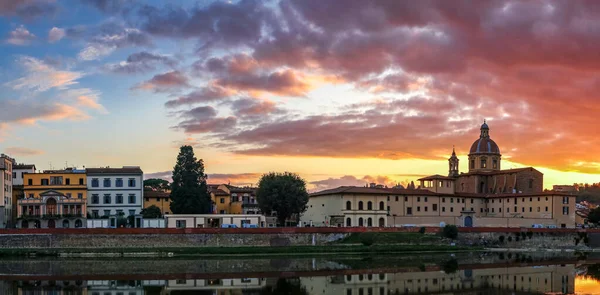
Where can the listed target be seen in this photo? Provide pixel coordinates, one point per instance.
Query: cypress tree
(189, 192)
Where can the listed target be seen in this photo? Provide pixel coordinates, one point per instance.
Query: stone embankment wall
(527, 240)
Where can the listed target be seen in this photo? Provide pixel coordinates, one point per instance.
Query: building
(53, 199)
(6, 190)
(18, 173)
(228, 199)
(485, 196)
(213, 220)
(160, 199)
(115, 192)
(564, 188)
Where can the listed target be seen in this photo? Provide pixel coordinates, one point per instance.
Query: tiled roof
(123, 170)
(516, 170)
(437, 176)
(218, 192)
(24, 166)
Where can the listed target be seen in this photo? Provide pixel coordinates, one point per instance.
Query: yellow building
(228, 199)
(53, 199)
(160, 199)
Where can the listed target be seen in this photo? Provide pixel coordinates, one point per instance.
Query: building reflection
(560, 279)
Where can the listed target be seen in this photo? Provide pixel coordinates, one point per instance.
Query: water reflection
(561, 279)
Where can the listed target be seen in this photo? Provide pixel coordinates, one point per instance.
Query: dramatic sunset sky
(342, 92)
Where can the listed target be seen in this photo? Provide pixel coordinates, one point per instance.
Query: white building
(214, 220)
(6, 188)
(115, 191)
(19, 170)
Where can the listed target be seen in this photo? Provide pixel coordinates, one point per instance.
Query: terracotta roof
(380, 191)
(123, 170)
(218, 192)
(484, 145)
(516, 170)
(523, 195)
(437, 176)
(156, 194)
(235, 189)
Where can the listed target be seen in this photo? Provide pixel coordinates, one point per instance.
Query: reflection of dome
(484, 145)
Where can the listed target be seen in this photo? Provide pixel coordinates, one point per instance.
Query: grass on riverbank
(254, 251)
(392, 238)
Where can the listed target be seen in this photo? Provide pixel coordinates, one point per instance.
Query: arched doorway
(360, 222)
(370, 222)
(381, 222)
(51, 206)
(348, 222)
(37, 224)
(78, 223)
(65, 224)
(468, 221)
(24, 224)
(51, 223)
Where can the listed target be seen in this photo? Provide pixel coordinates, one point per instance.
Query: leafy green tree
(151, 212)
(157, 183)
(450, 231)
(285, 286)
(284, 193)
(594, 216)
(189, 192)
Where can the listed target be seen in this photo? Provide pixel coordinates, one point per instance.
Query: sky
(341, 92)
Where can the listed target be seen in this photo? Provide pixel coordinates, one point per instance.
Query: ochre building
(485, 196)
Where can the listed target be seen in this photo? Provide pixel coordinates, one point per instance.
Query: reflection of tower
(453, 164)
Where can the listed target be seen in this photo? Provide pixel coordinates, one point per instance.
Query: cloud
(41, 76)
(20, 36)
(142, 62)
(253, 107)
(86, 98)
(349, 180)
(55, 34)
(113, 36)
(172, 80)
(109, 6)
(240, 179)
(22, 151)
(27, 9)
(166, 175)
(203, 95)
(29, 112)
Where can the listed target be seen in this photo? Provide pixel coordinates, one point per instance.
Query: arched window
(348, 205)
(381, 206)
(381, 222)
(78, 223)
(51, 206)
(24, 224)
(360, 205)
(370, 222)
(370, 205)
(65, 224)
(348, 222)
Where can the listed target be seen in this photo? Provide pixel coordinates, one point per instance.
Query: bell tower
(453, 164)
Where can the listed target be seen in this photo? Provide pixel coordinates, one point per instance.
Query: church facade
(485, 196)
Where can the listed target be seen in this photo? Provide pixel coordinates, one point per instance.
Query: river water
(467, 273)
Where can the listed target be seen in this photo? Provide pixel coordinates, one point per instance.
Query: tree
(594, 216)
(284, 193)
(151, 212)
(157, 183)
(189, 192)
(450, 231)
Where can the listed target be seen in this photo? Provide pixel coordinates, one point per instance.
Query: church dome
(484, 145)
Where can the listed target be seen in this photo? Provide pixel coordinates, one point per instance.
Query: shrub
(501, 239)
(367, 239)
(450, 231)
(450, 266)
(422, 230)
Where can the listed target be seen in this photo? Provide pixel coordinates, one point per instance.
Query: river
(466, 273)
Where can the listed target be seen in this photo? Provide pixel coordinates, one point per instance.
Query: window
(29, 181)
(348, 205)
(441, 183)
(405, 199)
(120, 212)
(56, 180)
(565, 200)
(425, 208)
(119, 182)
(507, 210)
(451, 209)
(45, 181)
(531, 183)
(360, 205)
(14, 175)
(408, 210)
(106, 212)
(546, 209)
(158, 199)
(68, 195)
(80, 181)
(396, 198)
(492, 210)
(106, 182)
(131, 182)
(31, 196)
(434, 207)
(180, 224)
(95, 199)
(565, 210)
(539, 209)
(471, 201)
(107, 199)
(495, 163)
(443, 200)
(530, 209)
(222, 212)
(443, 209)
(483, 163)
(132, 212)
(418, 208)
(418, 199)
(451, 200)
(132, 199)
(95, 182)
(119, 199)
(369, 205)
(530, 199)
(68, 181)
(222, 201)
(522, 209)
(80, 195)
(472, 164)
(538, 199)
(95, 213)
(425, 199)
(381, 206)
(516, 210)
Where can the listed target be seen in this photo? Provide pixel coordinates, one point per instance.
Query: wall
(111, 207)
